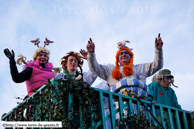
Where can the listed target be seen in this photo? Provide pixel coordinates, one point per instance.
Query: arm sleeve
(103, 71)
(176, 102)
(19, 77)
(89, 77)
(149, 69)
(150, 93)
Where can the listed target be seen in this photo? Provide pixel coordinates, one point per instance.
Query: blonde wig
(40, 49)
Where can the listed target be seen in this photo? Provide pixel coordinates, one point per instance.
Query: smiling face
(42, 58)
(72, 64)
(124, 57)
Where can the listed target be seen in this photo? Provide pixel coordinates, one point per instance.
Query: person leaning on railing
(160, 90)
(36, 72)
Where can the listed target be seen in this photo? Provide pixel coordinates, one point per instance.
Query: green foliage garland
(51, 104)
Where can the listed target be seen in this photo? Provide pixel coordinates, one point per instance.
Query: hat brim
(169, 76)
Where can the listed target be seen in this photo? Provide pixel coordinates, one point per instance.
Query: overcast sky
(70, 24)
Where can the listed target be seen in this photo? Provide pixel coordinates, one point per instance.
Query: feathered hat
(127, 69)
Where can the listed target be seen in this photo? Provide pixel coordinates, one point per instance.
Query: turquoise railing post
(154, 113)
(170, 119)
(130, 107)
(146, 112)
(102, 109)
(185, 121)
(121, 107)
(177, 119)
(162, 116)
(111, 107)
(138, 107)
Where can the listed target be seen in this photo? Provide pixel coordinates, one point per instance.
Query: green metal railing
(170, 117)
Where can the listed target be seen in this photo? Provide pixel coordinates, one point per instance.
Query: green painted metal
(121, 108)
(131, 107)
(185, 121)
(146, 113)
(102, 110)
(170, 119)
(138, 107)
(173, 114)
(112, 110)
(178, 125)
(162, 116)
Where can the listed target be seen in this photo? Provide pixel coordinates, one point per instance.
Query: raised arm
(148, 69)
(16, 76)
(103, 71)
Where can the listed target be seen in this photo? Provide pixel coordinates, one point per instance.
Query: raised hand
(90, 46)
(9, 54)
(158, 42)
(84, 54)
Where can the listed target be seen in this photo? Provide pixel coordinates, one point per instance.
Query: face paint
(124, 57)
(124, 52)
(72, 64)
(70, 61)
(168, 79)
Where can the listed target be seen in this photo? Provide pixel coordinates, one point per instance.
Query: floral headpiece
(127, 69)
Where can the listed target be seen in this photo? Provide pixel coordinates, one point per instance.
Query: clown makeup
(72, 64)
(168, 79)
(166, 82)
(122, 54)
(124, 57)
(71, 60)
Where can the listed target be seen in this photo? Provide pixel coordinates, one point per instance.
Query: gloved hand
(9, 54)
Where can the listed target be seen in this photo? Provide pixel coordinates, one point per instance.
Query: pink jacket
(38, 78)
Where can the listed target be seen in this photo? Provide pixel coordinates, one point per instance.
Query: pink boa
(48, 66)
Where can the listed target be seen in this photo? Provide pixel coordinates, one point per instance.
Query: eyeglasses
(168, 79)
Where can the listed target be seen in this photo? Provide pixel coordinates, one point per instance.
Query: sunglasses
(168, 79)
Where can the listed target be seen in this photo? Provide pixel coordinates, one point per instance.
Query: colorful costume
(39, 76)
(165, 96)
(118, 76)
(140, 71)
(88, 77)
(35, 74)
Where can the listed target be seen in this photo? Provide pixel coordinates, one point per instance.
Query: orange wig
(127, 69)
